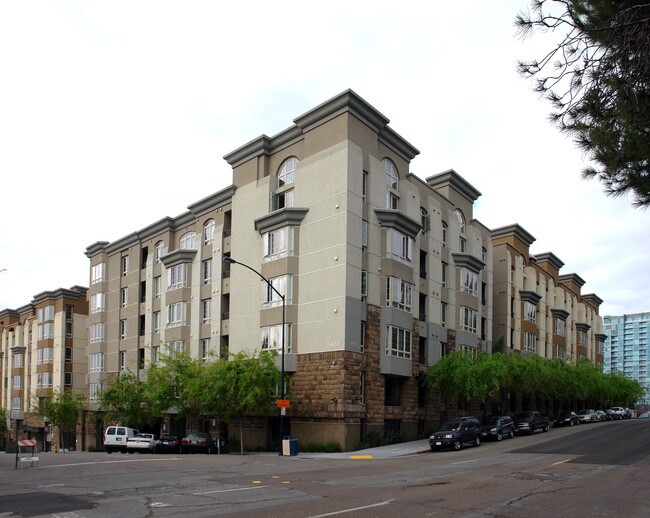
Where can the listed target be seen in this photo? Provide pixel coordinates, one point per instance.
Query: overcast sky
(115, 114)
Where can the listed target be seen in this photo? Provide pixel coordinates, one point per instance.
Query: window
(399, 246)
(283, 284)
(122, 360)
(97, 273)
(530, 312)
(205, 348)
(530, 342)
(97, 332)
(483, 254)
(208, 232)
(206, 311)
(272, 338)
(45, 314)
(461, 221)
(156, 321)
(159, 251)
(469, 281)
(124, 297)
(123, 329)
(559, 351)
(425, 220)
(18, 382)
(559, 326)
(462, 244)
(43, 379)
(444, 233)
(444, 274)
(364, 234)
(141, 358)
(398, 293)
(362, 338)
(177, 277)
(364, 184)
(125, 264)
(68, 329)
(97, 302)
(398, 342)
(206, 271)
(176, 347)
(94, 391)
(282, 200)
(143, 291)
(155, 354)
(468, 318)
(45, 331)
(176, 314)
(278, 243)
(156, 287)
(364, 284)
(67, 380)
(15, 403)
(96, 362)
(68, 354)
(18, 360)
(287, 171)
(392, 178)
(443, 314)
(188, 241)
(582, 337)
(483, 293)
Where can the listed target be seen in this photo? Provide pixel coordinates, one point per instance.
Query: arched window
(208, 232)
(392, 178)
(160, 251)
(461, 220)
(444, 233)
(188, 241)
(425, 219)
(286, 172)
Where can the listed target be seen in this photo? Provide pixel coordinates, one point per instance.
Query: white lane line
(107, 462)
(561, 462)
(378, 504)
(463, 462)
(228, 490)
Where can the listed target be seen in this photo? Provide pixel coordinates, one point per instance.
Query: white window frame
(271, 338)
(364, 235)
(530, 312)
(125, 264)
(159, 250)
(94, 391)
(282, 283)
(399, 293)
(282, 200)
(97, 302)
(96, 362)
(177, 276)
(16, 403)
(124, 329)
(443, 314)
(560, 351)
(286, 173)
(469, 281)
(530, 342)
(156, 322)
(445, 230)
(206, 311)
(176, 347)
(124, 296)
(278, 243)
(399, 246)
(157, 284)
(18, 360)
(97, 332)
(122, 360)
(398, 342)
(206, 271)
(17, 382)
(208, 232)
(187, 241)
(206, 347)
(176, 314)
(560, 326)
(443, 274)
(97, 273)
(468, 319)
(364, 284)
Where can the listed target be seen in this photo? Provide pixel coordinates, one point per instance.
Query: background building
(627, 347)
(536, 309)
(42, 349)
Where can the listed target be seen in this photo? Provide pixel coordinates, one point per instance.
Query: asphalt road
(589, 470)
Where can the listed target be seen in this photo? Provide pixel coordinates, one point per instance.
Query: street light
(230, 260)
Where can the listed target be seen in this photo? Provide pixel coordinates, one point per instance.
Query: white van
(116, 437)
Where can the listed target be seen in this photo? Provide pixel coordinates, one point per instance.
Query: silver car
(587, 416)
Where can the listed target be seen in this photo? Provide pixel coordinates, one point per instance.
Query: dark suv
(457, 432)
(499, 426)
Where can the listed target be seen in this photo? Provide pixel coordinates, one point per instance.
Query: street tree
(128, 399)
(242, 386)
(63, 409)
(597, 78)
(3, 421)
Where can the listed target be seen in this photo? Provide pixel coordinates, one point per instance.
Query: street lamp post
(230, 260)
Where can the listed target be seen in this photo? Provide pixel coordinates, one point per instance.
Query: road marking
(464, 462)
(361, 456)
(561, 462)
(378, 504)
(228, 490)
(107, 462)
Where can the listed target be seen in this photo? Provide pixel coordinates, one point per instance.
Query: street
(590, 470)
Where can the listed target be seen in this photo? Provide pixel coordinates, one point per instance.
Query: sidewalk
(381, 452)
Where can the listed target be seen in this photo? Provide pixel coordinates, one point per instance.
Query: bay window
(398, 293)
(398, 342)
(283, 284)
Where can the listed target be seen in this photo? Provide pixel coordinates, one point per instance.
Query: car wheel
(457, 445)
(571, 423)
(109, 451)
(499, 436)
(545, 428)
(512, 434)
(477, 441)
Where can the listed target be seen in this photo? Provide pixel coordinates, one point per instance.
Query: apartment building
(42, 349)
(538, 310)
(627, 347)
(382, 274)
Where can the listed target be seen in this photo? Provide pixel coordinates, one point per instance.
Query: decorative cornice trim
(289, 216)
(178, 257)
(582, 326)
(593, 298)
(560, 313)
(457, 182)
(529, 296)
(550, 258)
(468, 261)
(572, 277)
(396, 219)
(514, 230)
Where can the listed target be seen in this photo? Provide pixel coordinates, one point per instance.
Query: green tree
(128, 399)
(63, 409)
(242, 386)
(454, 375)
(597, 78)
(3, 421)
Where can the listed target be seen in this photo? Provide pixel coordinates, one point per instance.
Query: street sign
(283, 403)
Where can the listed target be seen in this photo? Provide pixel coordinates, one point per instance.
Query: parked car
(529, 422)
(168, 443)
(567, 419)
(198, 443)
(587, 415)
(497, 427)
(618, 411)
(141, 442)
(602, 416)
(456, 433)
(644, 415)
(115, 438)
(612, 415)
(629, 414)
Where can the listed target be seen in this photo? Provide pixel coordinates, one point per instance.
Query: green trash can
(289, 446)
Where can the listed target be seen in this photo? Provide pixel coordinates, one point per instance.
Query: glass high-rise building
(626, 347)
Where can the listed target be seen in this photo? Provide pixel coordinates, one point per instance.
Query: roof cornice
(457, 182)
(572, 277)
(514, 230)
